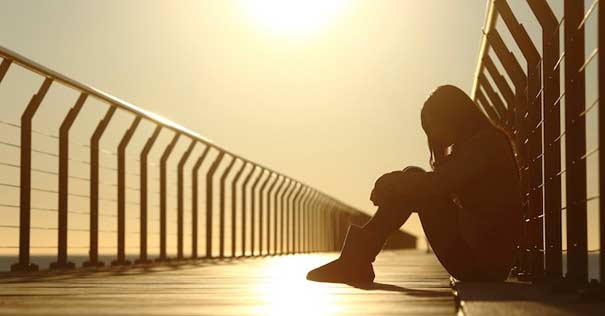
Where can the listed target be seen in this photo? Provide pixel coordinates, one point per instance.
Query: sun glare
(294, 17)
(287, 292)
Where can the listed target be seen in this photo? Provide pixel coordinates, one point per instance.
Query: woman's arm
(464, 167)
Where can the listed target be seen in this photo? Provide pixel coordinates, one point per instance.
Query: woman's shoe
(355, 262)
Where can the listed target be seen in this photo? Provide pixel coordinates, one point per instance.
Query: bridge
(199, 229)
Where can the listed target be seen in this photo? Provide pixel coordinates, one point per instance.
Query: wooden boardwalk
(408, 283)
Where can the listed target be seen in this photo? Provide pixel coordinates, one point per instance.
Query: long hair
(452, 111)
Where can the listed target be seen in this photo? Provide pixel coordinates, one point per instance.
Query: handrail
(138, 111)
(489, 23)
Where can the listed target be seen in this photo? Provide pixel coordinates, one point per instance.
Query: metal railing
(277, 214)
(546, 112)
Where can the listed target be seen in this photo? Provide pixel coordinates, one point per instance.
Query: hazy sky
(334, 104)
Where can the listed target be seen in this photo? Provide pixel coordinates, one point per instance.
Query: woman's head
(449, 116)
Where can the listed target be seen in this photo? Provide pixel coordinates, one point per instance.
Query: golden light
(294, 17)
(287, 292)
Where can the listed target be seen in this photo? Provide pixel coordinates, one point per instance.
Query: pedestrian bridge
(121, 211)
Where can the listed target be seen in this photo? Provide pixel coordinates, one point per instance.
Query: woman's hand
(395, 185)
(385, 188)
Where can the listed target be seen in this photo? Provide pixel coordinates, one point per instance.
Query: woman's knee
(413, 169)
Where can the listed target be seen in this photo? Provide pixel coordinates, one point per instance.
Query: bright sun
(293, 17)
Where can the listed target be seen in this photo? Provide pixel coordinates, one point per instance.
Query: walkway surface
(408, 282)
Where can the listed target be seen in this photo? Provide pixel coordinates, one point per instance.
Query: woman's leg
(387, 220)
(440, 222)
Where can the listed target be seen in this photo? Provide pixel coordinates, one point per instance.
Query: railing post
(601, 62)
(234, 206)
(209, 201)
(261, 211)
(314, 222)
(181, 198)
(253, 212)
(324, 225)
(503, 87)
(276, 209)
(531, 136)
(282, 216)
(299, 219)
(290, 218)
(194, 201)
(62, 262)
(575, 143)
(307, 224)
(222, 207)
(310, 219)
(271, 187)
(24, 263)
(487, 106)
(244, 202)
(552, 130)
(519, 79)
(494, 98)
(320, 219)
(121, 253)
(4, 67)
(143, 259)
(93, 253)
(296, 220)
(163, 161)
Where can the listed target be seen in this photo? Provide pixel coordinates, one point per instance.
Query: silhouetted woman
(469, 204)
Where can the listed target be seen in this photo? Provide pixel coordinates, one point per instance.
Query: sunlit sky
(328, 92)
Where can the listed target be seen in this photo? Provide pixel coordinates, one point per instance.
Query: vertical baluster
(143, 259)
(289, 218)
(24, 263)
(269, 192)
(487, 106)
(276, 208)
(261, 211)
(62, 262)
(601, 35)
(575, 143)
(234, 207)
(503, 87)
(310, 217)
(181, 198)
(305, 207)
(121, 251)
(253, 212)
(209, 201)
(93, 253)
(4, 67)
(315, 222)
(222, 208)
(282, 217)
(244, 207)
(194, 201)
(519, 79)
(295, 220)
(163, 161)
(531, 136)
(552, 130)
(494, 99)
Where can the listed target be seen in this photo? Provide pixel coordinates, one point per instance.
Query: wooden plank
(408, 283)
(513, 298)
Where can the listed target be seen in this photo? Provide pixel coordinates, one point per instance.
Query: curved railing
(268, 212)
(547, 94)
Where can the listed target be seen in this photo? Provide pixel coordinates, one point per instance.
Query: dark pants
(441, 224)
